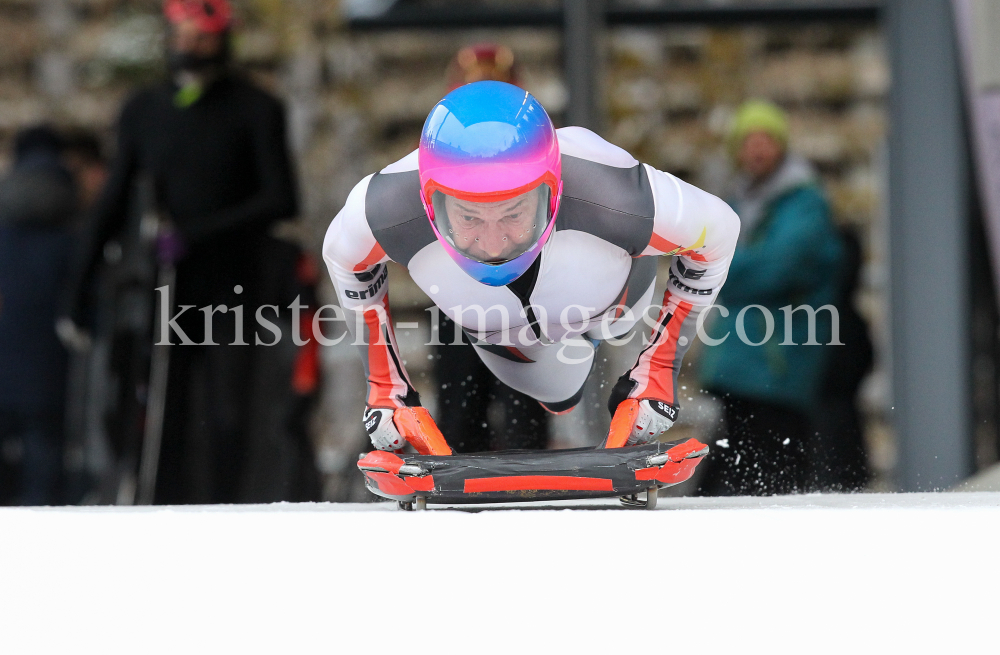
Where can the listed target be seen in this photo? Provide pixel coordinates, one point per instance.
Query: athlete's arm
(700, 232)
(358, 266)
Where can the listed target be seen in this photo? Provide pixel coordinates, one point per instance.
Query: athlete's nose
(493, 240)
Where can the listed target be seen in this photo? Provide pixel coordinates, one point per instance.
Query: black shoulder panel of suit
(396, 216)
(640, 276)
(615, 204)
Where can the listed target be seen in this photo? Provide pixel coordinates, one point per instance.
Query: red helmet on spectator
(211, 15)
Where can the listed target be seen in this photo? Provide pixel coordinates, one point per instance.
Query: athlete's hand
(382, 432)
(391, 428)
(639, 420)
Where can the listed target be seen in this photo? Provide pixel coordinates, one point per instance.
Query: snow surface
(906, 573)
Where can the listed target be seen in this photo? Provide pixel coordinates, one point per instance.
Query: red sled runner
(522, 476)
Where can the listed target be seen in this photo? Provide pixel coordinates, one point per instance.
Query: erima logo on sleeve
(372, 289)
(368, 276)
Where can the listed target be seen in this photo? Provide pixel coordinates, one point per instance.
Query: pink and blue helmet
(490, 169)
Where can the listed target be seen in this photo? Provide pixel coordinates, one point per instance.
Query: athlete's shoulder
(394, 211)
(348, 239)
(581, 143)
(606, 191)
(393, 196)
(382, 210)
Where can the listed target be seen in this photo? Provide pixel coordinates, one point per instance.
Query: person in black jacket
(37, 205)
(837, 457)
(214, 147)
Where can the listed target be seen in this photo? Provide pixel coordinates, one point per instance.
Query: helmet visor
(493, 232)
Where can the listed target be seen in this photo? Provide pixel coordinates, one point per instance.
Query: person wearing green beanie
(758, 116)
(789, 253)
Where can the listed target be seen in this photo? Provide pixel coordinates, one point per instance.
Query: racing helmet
(490, 178)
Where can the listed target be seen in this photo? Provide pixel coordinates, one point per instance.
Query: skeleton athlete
(540, 243)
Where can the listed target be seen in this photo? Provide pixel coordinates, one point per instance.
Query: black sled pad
(518, 476)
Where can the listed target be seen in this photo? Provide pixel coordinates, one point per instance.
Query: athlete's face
(493, 231)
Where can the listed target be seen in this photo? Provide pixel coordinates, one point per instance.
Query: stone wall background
(356, 102)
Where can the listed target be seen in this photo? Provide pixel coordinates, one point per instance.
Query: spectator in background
(84, 159)
(482, 61)
(466, 388)
(214, 146)
(789, 253)
(837, 451)
(37, 207)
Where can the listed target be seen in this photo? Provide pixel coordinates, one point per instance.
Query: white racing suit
(593, 280)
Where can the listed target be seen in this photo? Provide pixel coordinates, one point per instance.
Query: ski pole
(157, 399)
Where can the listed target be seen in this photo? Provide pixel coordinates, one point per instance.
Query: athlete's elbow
(727, 229)
(728, 219)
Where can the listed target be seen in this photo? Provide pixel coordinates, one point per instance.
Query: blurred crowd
(43, 198)
(98, 254)
(189, 204)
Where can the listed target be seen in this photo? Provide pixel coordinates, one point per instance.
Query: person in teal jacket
(789, 255)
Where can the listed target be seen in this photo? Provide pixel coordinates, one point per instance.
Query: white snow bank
(812, 574)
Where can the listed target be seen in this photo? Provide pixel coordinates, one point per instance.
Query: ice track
(876, 573)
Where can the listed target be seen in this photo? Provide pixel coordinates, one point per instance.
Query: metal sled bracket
(632, 500)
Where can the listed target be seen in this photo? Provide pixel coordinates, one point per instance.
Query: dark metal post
(582, 46)
(929, 243)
